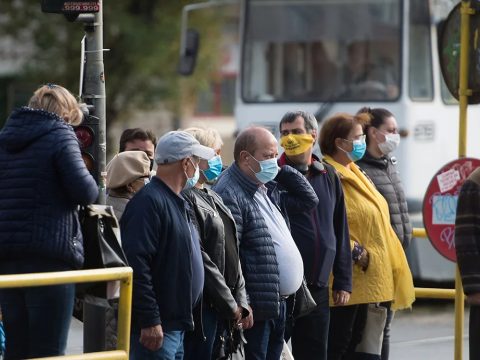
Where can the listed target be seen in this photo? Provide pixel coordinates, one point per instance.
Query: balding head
(249, 139)
(253, 145)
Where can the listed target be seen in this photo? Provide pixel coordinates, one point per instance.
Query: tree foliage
(143, 38)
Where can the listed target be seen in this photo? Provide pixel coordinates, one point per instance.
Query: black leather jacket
(219, 251)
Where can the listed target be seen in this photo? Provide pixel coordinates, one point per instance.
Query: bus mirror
(188, 57)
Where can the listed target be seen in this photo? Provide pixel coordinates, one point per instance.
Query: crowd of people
(221, 256)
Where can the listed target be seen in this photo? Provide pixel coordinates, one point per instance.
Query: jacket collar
(380, 163)
(356, 178)
(157, 182)
(247, 184)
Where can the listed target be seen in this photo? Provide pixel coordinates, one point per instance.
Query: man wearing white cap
(163, 248)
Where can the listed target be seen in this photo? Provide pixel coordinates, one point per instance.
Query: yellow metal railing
(124, 274)
(455, 294)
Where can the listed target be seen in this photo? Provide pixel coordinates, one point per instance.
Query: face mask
(390, 144)
(296, 144)
(214, 168)
(359, 148)
(268, 170)
(191, 182)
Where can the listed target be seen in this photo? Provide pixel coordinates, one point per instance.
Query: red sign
(440, 204)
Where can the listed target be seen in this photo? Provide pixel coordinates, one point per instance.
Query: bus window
(323, 50)
(420, 58)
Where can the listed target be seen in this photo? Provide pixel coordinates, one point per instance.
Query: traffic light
(87, 134)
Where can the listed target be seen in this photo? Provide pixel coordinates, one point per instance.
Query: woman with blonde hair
(43, 179)
(380, 271)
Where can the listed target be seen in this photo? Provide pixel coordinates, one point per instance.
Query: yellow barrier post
(464, 92)
(84, 276)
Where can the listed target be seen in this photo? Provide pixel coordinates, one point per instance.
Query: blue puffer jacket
(42, 180)
(257, 253)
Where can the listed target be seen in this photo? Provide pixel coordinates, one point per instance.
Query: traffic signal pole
(94, 91)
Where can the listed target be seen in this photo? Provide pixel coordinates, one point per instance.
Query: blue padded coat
(42, 181)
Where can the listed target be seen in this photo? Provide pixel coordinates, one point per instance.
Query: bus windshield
(321, 50)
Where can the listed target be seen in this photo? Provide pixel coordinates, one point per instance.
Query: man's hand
(152, 337)
(340, 297)
(237, 315)
(247, 322)
(474, 299)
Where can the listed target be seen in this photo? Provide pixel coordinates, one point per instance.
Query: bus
(327, 56)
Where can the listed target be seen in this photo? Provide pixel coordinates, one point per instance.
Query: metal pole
(94, 91)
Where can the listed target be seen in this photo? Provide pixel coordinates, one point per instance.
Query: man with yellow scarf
(321, 235)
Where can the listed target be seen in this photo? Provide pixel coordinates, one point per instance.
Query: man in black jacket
(163, 248)
(321, 235)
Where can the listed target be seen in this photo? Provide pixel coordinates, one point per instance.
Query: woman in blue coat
(43, 179)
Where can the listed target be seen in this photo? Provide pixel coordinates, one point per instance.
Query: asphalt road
(426, 332)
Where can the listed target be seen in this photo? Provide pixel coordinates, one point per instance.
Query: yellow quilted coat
(388, 276)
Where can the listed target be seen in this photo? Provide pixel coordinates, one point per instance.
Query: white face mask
(390, 144)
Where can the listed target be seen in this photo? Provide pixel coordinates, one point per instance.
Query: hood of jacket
(27, 125)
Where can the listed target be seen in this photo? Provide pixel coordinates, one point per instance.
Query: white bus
(326, 56)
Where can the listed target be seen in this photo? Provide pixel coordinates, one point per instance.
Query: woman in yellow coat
(380, 271)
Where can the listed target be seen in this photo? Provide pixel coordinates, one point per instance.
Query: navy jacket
(156, 240)
(322, 233)
(42, 181)
(257, 253)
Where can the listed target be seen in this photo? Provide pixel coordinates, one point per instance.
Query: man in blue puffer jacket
(271, 263)
(43, 179)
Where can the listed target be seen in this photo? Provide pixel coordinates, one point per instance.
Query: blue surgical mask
(268, 170)
(191, 182)
(214, 168)
(359, 148)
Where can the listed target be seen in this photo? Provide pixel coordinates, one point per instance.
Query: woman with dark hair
(380, 271)
(380, 166)
(43, 179)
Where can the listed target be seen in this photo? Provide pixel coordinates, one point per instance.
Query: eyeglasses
(50, 85)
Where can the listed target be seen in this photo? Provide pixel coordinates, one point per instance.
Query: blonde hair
(207, 137)
(56, 99)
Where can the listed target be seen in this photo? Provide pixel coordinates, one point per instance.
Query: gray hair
(308, 118)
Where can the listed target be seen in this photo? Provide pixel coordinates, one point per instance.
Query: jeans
(265, 338)
(197, 348)
(310, 332)
(36, 319)
(172, 348)
(474, 332)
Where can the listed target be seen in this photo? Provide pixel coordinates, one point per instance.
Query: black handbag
(304, 302)
(102, 249)
(101, 237)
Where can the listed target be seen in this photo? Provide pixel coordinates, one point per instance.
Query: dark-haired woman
(379, 164)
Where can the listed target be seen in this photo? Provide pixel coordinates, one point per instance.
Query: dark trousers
(310, 332)
(345, 330)
(265, 338)
(36, 319)
(386, 331)
(197, 348)
(474, 332)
